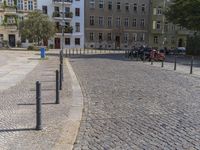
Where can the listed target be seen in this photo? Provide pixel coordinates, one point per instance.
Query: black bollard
(137, 55)
(191, 65)
(38, 106)
(151, 61)
(61, 70)
(57, 87)
(144, 57)
(175, 63)
(162, 65)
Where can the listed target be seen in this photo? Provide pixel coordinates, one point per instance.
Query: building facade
(69, 14)
(164, 34)
(114, 24)
(11, 13)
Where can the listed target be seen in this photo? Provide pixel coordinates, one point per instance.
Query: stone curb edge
(71, 128)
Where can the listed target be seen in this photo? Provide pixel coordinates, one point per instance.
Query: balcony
(67, 30)
(10, 11)
(59, 15)
(60, 2)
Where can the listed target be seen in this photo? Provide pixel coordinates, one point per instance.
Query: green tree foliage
(185, 13)
(37, 27)
(193, 45)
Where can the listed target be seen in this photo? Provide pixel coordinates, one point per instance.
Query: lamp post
(63, 25)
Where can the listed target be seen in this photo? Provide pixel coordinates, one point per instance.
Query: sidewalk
(14, 66)
(17, 126)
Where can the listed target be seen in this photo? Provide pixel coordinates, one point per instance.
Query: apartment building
(73, 13)
(11, 12)
(163, 33)
(116, 24)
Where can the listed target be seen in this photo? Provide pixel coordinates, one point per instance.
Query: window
(77, 41)
(67, 41)
(77, 27)
(142, 23)
(100, 21)
(44, 9)
(166, 26)
(126, 37)
(158, 25)
(101, 3)
(91, 36)
(135, 7)
(10, 3)
(127, 6)
(100, 36)
(118, 22)
(110, 5)
(118, 6)
(143, 8)
(159, 11)
(142, 38)
(20, 5)
(92, 3)
(135, 37)
(30, 5)
(126, 22)
(109, 21)
(91, 20)
(134, 22)
(109, 36)
(77, 12)
(156, 39)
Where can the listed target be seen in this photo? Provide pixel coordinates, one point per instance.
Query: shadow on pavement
(17, 130)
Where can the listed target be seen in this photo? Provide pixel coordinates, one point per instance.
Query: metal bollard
(57, 87)
(191, 65)
(38, 106)
(175, 63)
(143, 57)
(151, 61)
(137, 55)
(162, 65)
(61, 76)
(61, 57)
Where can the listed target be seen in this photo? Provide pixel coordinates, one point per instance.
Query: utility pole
(163, 28)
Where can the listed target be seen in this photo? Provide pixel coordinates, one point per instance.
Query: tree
(37, 27)
(185, 13)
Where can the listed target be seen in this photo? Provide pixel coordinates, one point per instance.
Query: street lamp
(63, 26)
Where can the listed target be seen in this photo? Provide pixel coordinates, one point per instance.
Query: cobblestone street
(131, 105)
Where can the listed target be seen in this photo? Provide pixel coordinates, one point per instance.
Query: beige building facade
(114, 24)
(164, 34)
(11, 13)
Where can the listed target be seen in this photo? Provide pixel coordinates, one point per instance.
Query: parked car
(181, 50)
(157, 55)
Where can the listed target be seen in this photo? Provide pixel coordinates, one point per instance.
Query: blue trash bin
(42, 52)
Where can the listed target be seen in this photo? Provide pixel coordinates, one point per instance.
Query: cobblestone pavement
(17, 110)
(130, 105)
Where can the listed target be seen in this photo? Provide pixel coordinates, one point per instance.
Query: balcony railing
(66, 15)
(66, 30)
(61, 1)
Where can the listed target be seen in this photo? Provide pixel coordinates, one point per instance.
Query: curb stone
(72, 124)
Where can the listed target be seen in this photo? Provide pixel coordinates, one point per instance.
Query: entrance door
(180, 43)
(12, 40)
(57, 43)
(117, 42)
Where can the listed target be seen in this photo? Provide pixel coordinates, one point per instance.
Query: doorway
(11, 40)
(57, 43)
(117, 42)
(180, 43)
